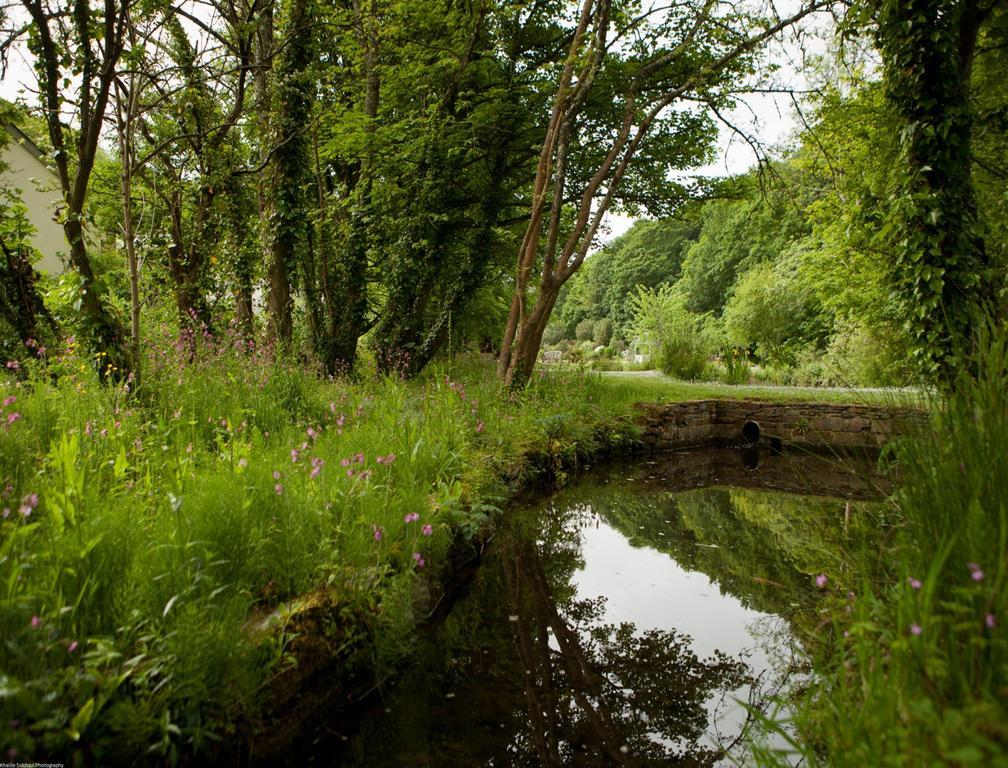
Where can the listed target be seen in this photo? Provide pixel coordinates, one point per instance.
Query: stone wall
(816, 426)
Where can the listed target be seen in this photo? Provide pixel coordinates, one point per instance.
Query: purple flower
(990, 621)
(9, 400)
(914, 583)
(344, 462)
(418, 558)
(915, 630)
(36, 622)
(72, 647)
(820, 580)
(312, 433)
(294, 455)
(377, 532)
(975, 573)
(428, 529)
(480, 426)
(278, 489)
(360, 457)
(12, 417)
(276, 474)
(411, 516)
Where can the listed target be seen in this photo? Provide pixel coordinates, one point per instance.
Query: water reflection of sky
(652, 591)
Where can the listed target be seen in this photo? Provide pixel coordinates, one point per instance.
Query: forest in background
(398, 179)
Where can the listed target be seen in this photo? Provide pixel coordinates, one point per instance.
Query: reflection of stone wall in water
(762, 548)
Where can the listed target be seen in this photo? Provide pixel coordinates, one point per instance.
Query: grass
(915, 669)
(142, 530)
(654, 386)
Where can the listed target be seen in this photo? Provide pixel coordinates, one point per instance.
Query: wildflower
(990, 621)
(390, 458)
(36, 622)
(276, 474)
(344, 462)
(418, 558)
(349, 473)
(316, 466)
(360, 457)
(410, 517)
(28, 504)
(480, 426)
(294, 455)
(428, 529)
(88, 429)
(975, 573)
(915, 630)
(376, 532)
(72, 647)
(820, 580)
(13, 365)
(9, 400)
(914, 583)
(6, 512)
(188, 448)
(278, 489)
(243, 462)
(12, 417)
(365, 474)
(312, 433)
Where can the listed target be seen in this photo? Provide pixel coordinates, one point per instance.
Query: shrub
(676, 337)
(585, 330)
(602, 331)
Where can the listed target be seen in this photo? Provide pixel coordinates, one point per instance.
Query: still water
(633, 618)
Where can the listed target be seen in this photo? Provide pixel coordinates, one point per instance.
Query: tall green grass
(915, 671)
(143, 531)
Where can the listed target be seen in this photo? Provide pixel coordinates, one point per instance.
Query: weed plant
(915, 670)
(143, 531)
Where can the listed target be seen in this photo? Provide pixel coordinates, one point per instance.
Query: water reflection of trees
(604, 694)
(523, 673)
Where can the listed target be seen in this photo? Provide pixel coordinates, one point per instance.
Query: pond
(632, 618)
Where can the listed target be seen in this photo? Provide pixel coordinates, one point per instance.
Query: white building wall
(39, 188)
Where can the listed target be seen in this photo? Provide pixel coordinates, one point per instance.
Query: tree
(81, 44)
(612, 126)
(943, 270)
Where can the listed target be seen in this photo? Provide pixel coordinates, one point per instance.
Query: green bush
(585, 330)
(602, 331)
(676, 338)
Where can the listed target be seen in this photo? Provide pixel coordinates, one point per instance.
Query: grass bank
(913, 656)
(144, 533)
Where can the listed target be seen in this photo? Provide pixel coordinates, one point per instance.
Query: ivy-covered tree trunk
(290, 168)
(942, 269)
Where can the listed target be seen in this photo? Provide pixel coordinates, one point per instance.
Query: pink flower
(276, 474)
(12, 417)
(428, 529)
(990, 621)
(36, 622)
(360, 457)
(915, 630)
(72, 647)
(376, 532)
(480, 426)
(410, 517)
(243, 462)
(294, 455)
(914, 583)
(820, 580)
(418, 558)
(88, 429)
(6, 512)
(344, 462)
(975, 573)
(278, 489)
(312, 433)
(9, 400)
(349, 473)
